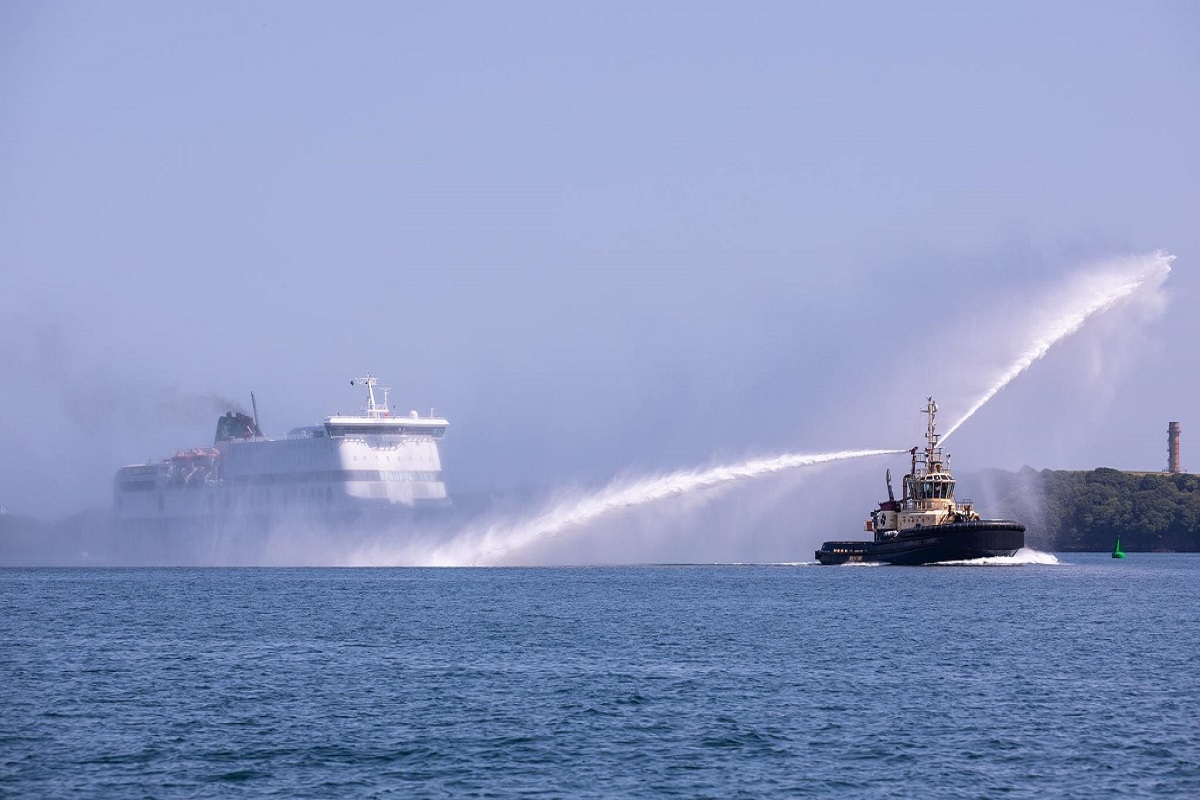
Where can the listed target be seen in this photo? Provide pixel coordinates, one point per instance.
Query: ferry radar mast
(374, 410)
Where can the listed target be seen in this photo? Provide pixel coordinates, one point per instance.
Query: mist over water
(497, 536)
(489, 543)
(1088, 294)
(1066, 309)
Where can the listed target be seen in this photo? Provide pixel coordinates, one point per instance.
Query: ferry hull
(282, 538)
(956, 541)
(354, 481)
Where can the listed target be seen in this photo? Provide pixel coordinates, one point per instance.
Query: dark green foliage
(1089, 510)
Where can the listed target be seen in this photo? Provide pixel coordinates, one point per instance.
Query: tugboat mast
(932, 455)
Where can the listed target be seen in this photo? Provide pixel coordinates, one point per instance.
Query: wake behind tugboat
(926, 525)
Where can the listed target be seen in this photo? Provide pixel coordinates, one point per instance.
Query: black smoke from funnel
(101, 397)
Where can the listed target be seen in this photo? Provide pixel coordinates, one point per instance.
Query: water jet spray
(1153, 271)
(489, 543)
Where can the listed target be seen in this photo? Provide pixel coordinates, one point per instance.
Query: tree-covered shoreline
(1087, 511)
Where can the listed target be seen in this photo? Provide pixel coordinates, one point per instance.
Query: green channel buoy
(1117, 551)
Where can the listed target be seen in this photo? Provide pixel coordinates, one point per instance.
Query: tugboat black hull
(954, 541)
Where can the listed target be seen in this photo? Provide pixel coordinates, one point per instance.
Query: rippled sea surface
(1079, 679)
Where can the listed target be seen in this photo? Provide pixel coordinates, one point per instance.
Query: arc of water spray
(1068, 324)
(499, 540)
(496, 542)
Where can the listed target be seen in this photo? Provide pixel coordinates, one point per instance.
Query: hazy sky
(602, 239)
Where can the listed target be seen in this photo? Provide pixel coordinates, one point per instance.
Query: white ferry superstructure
(373, 461)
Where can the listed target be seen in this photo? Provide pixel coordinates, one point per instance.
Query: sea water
(1075, 679)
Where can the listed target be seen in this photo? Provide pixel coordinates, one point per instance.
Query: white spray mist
(491, 543)
(1087, 296)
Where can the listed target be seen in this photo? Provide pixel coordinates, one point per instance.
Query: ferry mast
(374, 410)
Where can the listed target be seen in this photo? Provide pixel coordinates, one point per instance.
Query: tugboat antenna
(931, 437)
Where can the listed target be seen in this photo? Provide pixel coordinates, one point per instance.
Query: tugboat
(926, 525)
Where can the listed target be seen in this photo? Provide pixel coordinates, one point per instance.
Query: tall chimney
(1173, 448)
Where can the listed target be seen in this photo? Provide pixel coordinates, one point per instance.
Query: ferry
(346, 467)
(927, 525)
